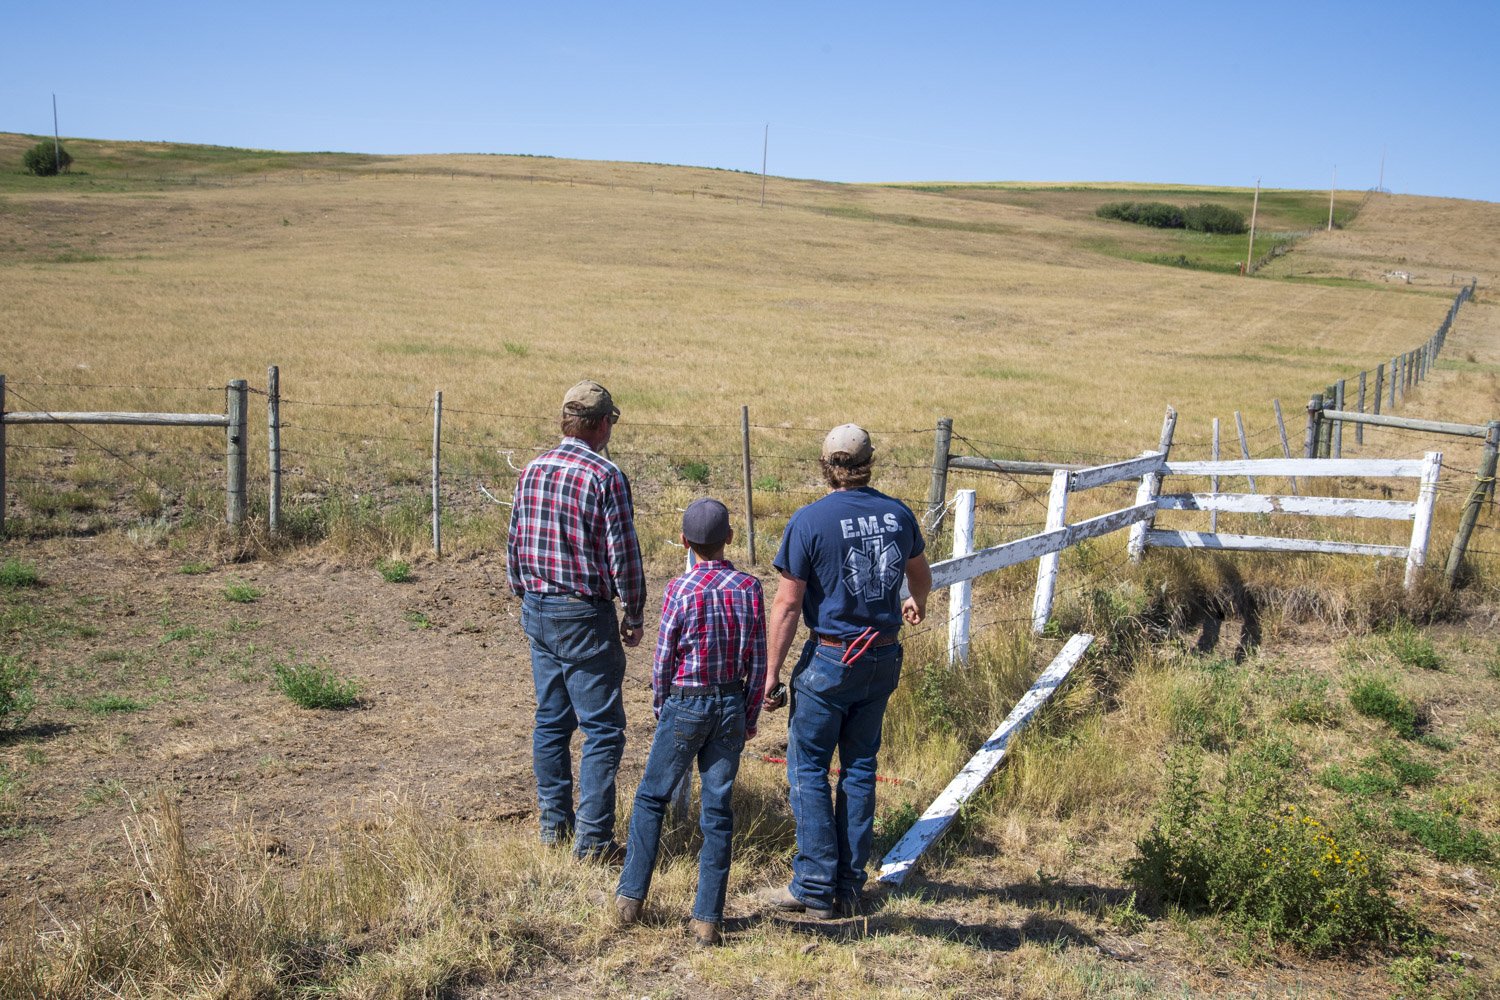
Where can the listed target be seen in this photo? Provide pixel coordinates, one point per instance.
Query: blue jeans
(577, 665)
(708, 728)
(836, 707)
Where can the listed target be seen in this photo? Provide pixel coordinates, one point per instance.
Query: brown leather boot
(627, 910)
(705, 933)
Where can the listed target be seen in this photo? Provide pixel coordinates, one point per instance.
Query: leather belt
(704, 690)
(884, 640)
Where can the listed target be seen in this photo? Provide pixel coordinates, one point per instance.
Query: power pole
(1254, 208)
(1331, 188)
(765, 147)
(56, 145)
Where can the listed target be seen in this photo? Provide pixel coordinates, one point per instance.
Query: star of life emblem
(873, 568)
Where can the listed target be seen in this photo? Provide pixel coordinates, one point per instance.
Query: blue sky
(1198, 93)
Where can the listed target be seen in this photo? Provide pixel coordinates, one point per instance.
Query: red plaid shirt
(572, 530)
(713, 631)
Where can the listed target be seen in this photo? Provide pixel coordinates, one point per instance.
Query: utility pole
(1331, 188)
(1254, 208)
(765, 147)
(56, 145)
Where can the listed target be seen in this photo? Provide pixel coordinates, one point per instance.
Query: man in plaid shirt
(709, 681)
(572, 550)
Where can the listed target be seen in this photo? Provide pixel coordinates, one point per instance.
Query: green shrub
(1211, 218)
(16, 697)
(394, 570)
(46, 159)
(1268, 866)
(313, 685)
(1377, 699)
(1156, 214)
(14, 573)
(194, 568)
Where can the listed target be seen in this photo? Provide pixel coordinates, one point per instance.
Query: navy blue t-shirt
(851, 547)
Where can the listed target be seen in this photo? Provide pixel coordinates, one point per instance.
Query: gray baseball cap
(706, 522)
(590, 399)
(850, 440)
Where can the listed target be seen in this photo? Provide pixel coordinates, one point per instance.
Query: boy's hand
(630, 635)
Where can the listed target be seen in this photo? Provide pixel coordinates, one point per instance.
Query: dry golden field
(237, 846)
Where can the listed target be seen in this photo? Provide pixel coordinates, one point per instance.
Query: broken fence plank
(951, 571)
(940, 815)
(1103, 475)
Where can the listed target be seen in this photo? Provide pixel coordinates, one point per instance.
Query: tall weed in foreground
(1269, 866)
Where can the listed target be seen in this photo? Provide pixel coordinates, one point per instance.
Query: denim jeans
(577, 665)
(708, 728)
(836, 707)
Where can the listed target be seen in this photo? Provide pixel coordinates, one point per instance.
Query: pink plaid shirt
(713, 631)
(572, 530)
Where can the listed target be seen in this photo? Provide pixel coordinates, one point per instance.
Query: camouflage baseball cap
(850, 440)
(590, 399)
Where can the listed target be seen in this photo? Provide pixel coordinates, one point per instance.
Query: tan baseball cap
(850, 440)
(590, 399)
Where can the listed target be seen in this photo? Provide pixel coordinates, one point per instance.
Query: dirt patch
(154, 680)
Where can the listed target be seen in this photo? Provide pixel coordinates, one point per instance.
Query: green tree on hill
(46, 159)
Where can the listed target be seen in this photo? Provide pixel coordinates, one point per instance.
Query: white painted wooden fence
(1419, 512)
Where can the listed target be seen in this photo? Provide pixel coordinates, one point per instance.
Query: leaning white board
(940, 815)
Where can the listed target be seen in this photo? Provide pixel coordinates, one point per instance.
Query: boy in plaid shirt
(709, 683)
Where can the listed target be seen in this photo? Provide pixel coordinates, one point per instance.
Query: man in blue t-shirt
(842, 562)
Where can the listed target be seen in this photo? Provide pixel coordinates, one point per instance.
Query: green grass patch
(314, 685)
(107, 704)
(15, 573)
(242, 593)
(693, 471)
(17, 698)
(194, 568)
(1376, 699)
(394, 571)
(1444, 835)
(1411, 647)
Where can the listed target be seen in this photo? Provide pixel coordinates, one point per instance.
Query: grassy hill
(153, 273)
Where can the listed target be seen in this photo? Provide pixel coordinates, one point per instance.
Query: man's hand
(630, 635)
(775, 697)
(912, 611)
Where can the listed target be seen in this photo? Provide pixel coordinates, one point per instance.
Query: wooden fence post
(1239, 425)
(1314, 414)
(1379, 385)
(959, 593)
(937, 493)
(437, 497)
(235, 451)
(749, 489)
(1359, 429)
(273, 445)
(1338, 428)
(1476, 500)
(1325, 426)
(1046, 567)
(1286, 446)
(1421, 529)
(1150, 487)
(1392, 400)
